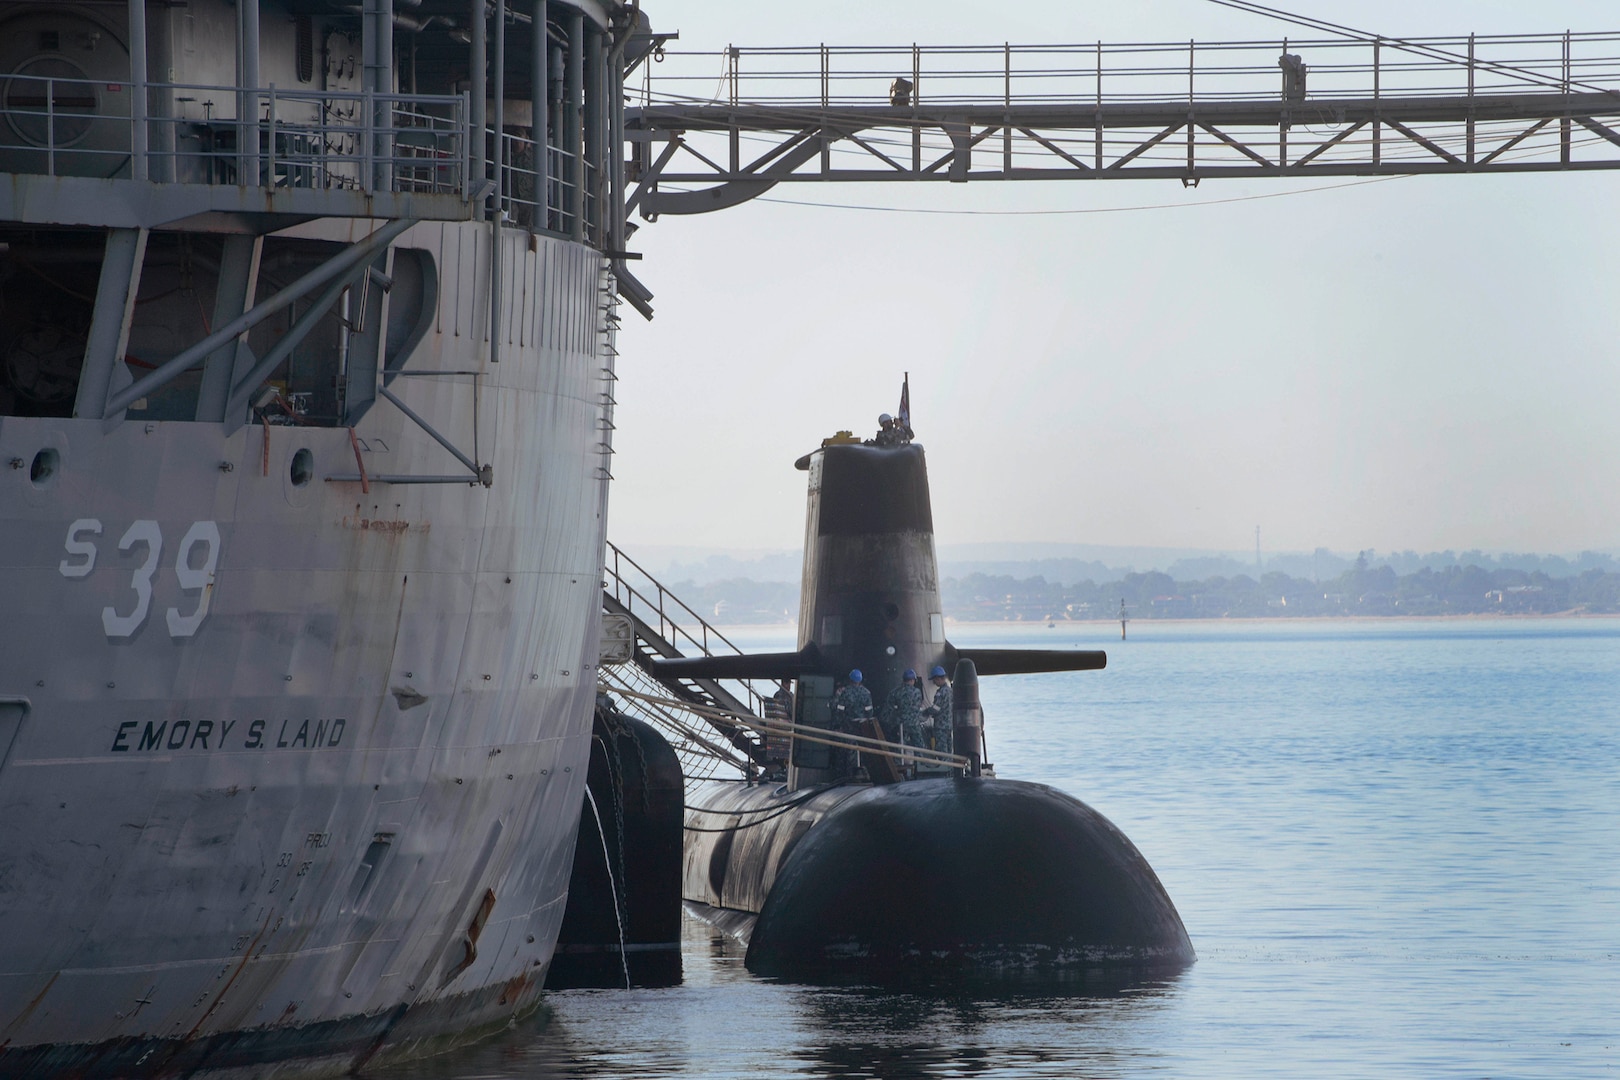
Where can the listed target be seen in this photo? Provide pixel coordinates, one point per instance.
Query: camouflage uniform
(940, 712)
(902, 713)
(851, 704)
(778, 707)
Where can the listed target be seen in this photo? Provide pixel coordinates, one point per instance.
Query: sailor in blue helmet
(902, 712)
(851, 705)
(938, 713)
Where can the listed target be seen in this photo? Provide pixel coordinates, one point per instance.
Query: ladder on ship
(663, 626)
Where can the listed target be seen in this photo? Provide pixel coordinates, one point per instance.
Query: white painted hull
(266, 844)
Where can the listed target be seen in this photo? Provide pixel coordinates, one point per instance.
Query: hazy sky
(1419, 363)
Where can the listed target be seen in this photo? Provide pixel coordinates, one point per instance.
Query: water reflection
(724, 1022)
(972, 1027)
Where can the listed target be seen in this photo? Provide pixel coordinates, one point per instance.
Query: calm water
(1396, 846)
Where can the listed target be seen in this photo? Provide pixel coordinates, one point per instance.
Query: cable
(1088, 210)
(785, 806)
(747, 824)
(1408, 46)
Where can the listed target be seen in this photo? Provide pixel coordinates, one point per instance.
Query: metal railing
(641, 594)
(884, 747)
(270, 138)
(702, 752)
(926, 77)
(521, 182)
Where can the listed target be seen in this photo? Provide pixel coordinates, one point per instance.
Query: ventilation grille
(305, 30)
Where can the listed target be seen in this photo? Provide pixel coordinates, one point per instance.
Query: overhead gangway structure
(709, 130)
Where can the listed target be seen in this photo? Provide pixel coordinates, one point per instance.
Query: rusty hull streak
(247, 956)
(28, 1010)
(355, 523)
(515, 989)
(330, 1047)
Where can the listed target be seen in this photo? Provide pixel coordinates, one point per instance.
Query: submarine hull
(622, 924)
(966, 875)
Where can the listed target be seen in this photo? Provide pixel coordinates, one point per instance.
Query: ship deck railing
(1143, 73)
(521, 182)
(297, 151)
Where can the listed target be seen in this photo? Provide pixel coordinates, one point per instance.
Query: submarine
(915, 862)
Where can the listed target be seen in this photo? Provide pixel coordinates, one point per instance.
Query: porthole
(303, 467)
(43, 470)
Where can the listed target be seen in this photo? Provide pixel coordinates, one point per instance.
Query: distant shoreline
(739, 628)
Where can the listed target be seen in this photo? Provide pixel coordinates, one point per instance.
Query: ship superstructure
(306, 363)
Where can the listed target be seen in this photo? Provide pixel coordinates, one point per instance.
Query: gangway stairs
(662, 625)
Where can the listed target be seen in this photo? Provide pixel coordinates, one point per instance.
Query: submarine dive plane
(878, 874)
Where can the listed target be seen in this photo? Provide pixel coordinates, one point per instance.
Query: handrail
(305, 138)
(917, 76)
(277, 139)
(879, 747)
(706, 639)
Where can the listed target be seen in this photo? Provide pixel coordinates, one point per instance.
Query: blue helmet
(937, 673)
(909, 675)
(855, 675)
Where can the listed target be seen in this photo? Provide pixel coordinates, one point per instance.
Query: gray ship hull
(292, 770)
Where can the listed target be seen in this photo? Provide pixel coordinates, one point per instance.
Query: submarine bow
(965, 874)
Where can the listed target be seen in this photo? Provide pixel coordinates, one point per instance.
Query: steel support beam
(387, 478)
(368, 339)
(1234, 138)
(109, 322)
(482, 474)
(540, 114)
(572, 141)
(54, 201)
(340, 264)
(478, 88)
(238, 282)
(242, 390)
(736, 192)
(247, 108)
(160, 100)
(138, 77)
(377, 56)
(594, 135)
(1252, 113)
(499, 215)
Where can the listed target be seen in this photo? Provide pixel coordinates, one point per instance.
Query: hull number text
(194, 564)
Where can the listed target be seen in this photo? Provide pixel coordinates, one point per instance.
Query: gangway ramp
(714, 733)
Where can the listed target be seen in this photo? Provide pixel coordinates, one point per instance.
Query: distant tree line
(737, 601)
(1360, 590)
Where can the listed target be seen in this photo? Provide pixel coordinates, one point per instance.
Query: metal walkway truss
(711, 130)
